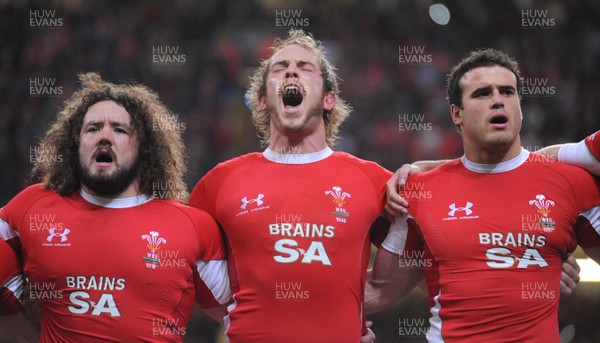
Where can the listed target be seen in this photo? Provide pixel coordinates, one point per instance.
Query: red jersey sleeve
(211, 279)
(14, 214)
(11, 217)
(593, 143)
(379, 177)
(206, 192)
(10, 279)
(10, 265)
(586, 194)
(201, 197)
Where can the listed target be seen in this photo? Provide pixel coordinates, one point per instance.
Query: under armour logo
(62, 235)
(467, 209)
(258, 201)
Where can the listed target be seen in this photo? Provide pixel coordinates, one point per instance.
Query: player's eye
(481, 93)
(277, 69)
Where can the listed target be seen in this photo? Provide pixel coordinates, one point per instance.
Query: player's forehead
(494, 76)
(294, 53)
(107, 110)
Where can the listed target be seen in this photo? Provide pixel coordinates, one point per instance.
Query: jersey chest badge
(540, 220)
(152, 257)
(339, 198)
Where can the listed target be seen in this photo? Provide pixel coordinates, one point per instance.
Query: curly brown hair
(161, 151)
(333, 119)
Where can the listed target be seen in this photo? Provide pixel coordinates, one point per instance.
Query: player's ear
(262, 102)
(455, 113)
(328, 101)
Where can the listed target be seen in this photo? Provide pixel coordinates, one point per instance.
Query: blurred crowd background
(393, 57)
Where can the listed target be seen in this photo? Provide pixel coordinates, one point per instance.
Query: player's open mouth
(292, 96)
(104, 156)
(499, 119)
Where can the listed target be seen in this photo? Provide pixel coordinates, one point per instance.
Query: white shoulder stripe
(6, 232)
(593, 215)
(214, 273)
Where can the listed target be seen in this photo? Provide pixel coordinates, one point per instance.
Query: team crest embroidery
(339, 199)
(543, 209)
(154, 241)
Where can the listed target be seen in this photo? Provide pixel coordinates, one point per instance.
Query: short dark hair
(476, 59)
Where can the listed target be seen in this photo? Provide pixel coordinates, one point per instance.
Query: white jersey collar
(496, 168)
(115, 202)
(297, 158)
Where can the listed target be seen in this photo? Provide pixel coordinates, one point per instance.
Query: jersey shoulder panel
(368, 166)
(205, 192)
(582, 186)
(14, 212)
(450, 166)
(419, 186)
(375, 172)
(236, 161)
(209, 239)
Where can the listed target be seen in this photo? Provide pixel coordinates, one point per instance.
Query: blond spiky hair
(333, 119)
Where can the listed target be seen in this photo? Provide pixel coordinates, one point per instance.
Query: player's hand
(570, 276)
(396, 205)
(369, 337)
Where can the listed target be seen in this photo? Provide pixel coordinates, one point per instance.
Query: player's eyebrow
(488, 89)
(113, 123)
(507, 88)
(480, 91)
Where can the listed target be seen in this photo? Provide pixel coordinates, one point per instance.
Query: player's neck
(492, 156)
(131, 191)
(297, 144)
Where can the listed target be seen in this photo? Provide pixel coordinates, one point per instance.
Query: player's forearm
(387, 283)
(379, 296)
(550, 151)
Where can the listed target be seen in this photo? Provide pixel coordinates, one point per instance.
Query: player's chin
(103, 173)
